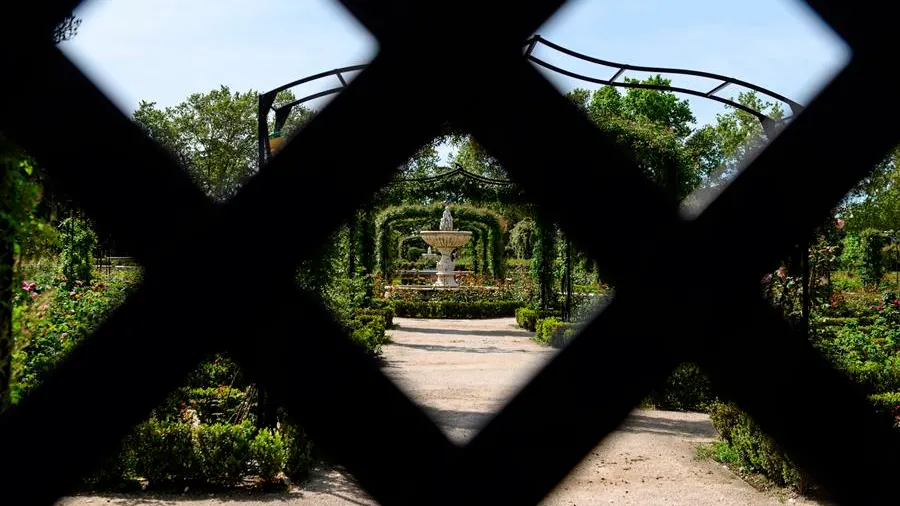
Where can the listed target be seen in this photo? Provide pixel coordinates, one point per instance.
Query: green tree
(214, 135)
(875, 201)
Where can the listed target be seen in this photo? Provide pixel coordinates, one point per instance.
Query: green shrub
(77, 243)
(386, 313)
(298, 451)
(226, 451)
(368, 332)
(871, 262)
(755, 450)
(686, 389)
(886, 401)
(526, 318)
(165, 452)
(268, 453)
(219, 370)
(553, 331)
(453, 309)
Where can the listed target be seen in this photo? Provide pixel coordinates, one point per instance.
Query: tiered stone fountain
(446, 240)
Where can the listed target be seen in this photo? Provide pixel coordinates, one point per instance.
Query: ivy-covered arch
(462, 214)
(479, 245)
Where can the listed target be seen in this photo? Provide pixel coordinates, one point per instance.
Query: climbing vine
(461, 214)
(542, 261)
(76, 258)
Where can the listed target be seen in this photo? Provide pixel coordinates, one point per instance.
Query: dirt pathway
(462, 371)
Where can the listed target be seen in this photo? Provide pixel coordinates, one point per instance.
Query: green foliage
(526, 318)
(718, 450)
(454, 309)
(871, 262)
(755, 450)
(851, 256)
(26, 233)
(875, 201)
(164, 452)
(522, 237)
(298, 450)
(226, 452)
(368, 331)
(211, 404)
(168, 453)
(49, 319)
(213, 136)
(542, 264)
(386, 314)
(686, 389)
(269, 453)
(553, 331)
(77, 242)
(429, 217)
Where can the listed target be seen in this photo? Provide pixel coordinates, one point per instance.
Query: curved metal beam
(795, 107)
(770, 125)
(457, 170)
(532, 43)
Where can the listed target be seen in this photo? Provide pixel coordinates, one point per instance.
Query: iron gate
(284, 338)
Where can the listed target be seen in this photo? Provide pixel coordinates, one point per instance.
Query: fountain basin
(446, 239)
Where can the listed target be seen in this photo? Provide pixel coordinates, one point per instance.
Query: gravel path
(462, 371)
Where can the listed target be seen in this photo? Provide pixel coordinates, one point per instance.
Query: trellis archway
(461, 214)
(479, 245)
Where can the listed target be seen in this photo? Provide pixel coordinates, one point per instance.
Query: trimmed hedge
(386, 313)
(686, 389)
(368, 332)
(177, 453)
(527, 318)
(452, 309)
(554, 332)
(756, 450)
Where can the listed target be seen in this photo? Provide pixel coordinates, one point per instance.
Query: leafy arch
(462, 214)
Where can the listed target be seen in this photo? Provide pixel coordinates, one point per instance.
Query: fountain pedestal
(446, 240)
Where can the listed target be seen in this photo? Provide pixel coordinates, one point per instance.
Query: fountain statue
(446, 240)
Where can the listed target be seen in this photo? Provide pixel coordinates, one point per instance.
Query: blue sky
(163, 50)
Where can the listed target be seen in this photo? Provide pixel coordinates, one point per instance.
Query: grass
(719, 451)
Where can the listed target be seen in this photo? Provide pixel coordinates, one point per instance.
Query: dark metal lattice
(285, 340)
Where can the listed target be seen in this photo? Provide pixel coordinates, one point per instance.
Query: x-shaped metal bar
(531, 492)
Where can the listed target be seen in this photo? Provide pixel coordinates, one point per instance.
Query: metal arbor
(718, 320)
(770, 125)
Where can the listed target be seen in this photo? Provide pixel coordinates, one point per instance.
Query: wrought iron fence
(284, 338)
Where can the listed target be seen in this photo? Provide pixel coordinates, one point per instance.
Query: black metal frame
(769, 124)
(143, 350)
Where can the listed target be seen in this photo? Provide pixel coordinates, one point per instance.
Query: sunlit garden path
(462, 371)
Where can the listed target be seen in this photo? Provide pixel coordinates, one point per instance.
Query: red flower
(879, 308)
(78, 282)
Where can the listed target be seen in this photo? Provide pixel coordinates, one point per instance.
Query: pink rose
(839, 223)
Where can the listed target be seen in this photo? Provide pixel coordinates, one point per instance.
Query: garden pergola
(770, 125)
(718, 320)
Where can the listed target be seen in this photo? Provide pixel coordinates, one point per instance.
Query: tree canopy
(213, 135)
